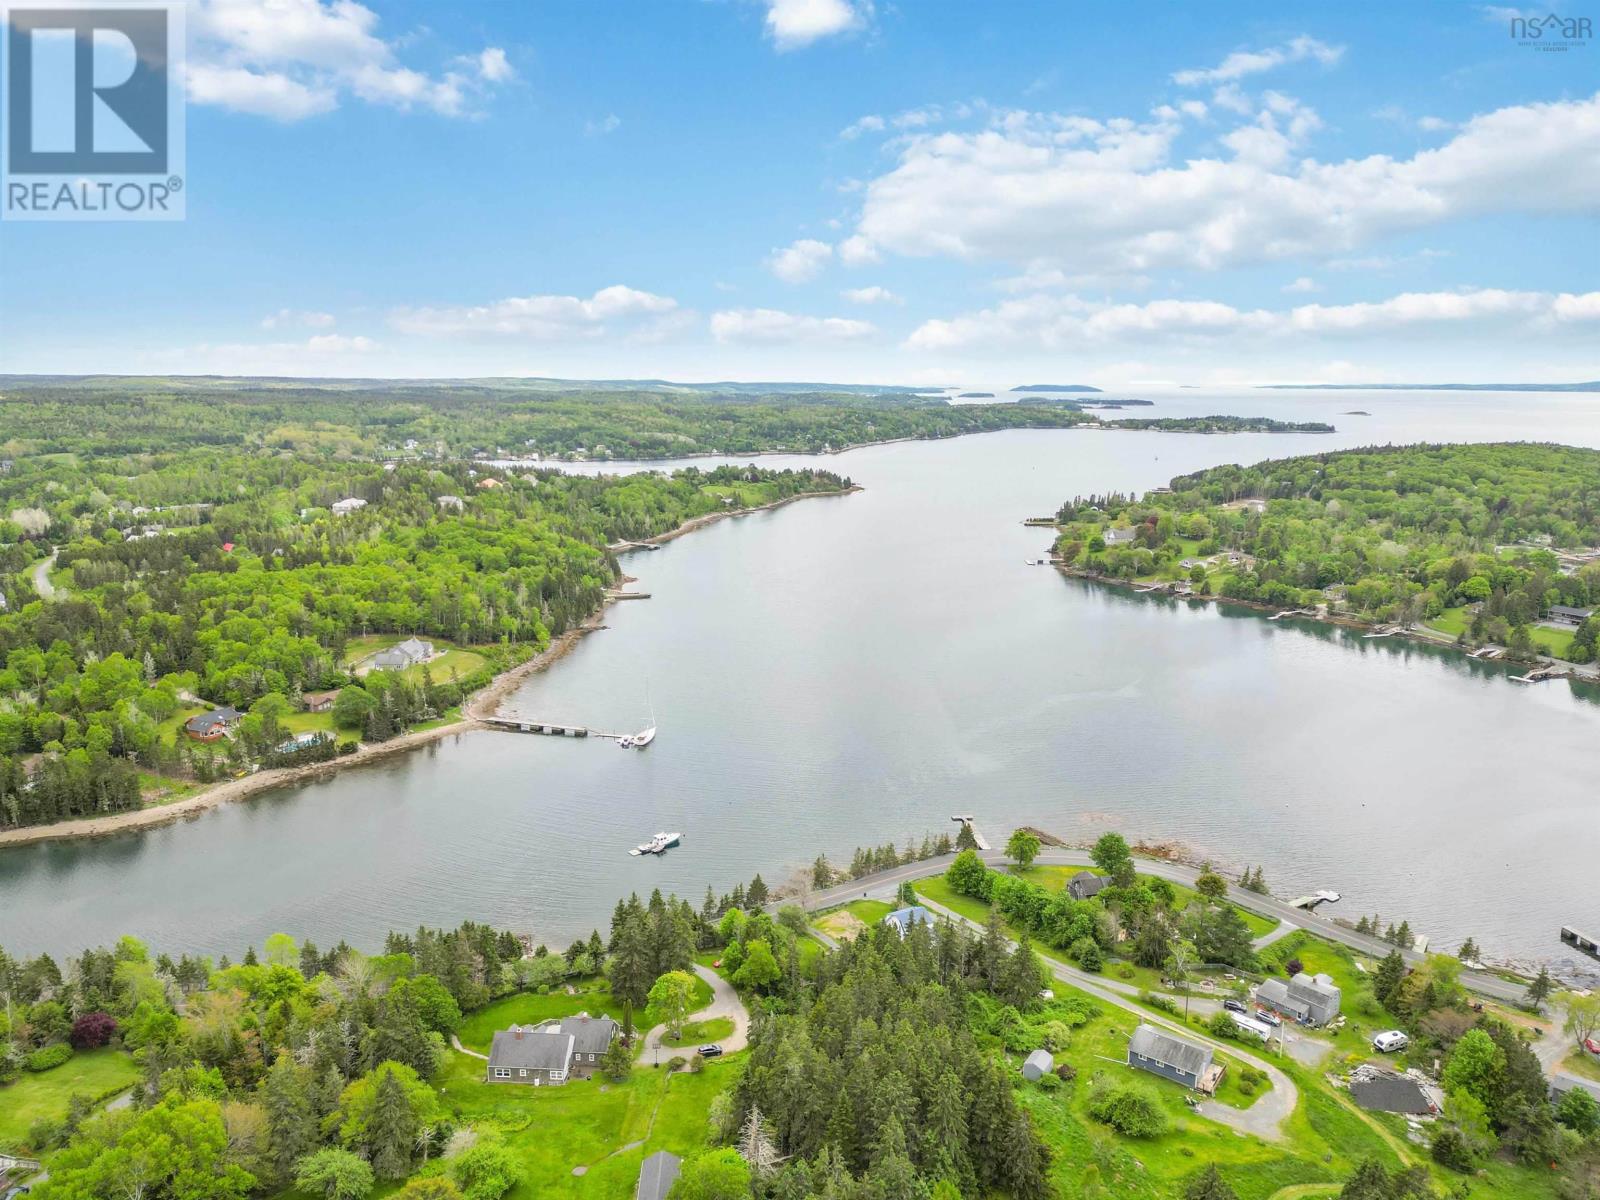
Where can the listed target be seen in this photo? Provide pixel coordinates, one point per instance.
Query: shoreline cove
(483, 703)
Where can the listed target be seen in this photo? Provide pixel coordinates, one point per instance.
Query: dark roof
(1150, 1042)
(1390, 1093)
(590, 1035)
(217, 716)
(1087, 883)
(657, 1175)
(1566, 610)
(534, 1049)
(1562, 1083)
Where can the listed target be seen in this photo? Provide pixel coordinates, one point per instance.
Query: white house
(343, 508)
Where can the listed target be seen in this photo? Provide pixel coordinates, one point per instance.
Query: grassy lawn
(96, 1073)
(1456, 621)
(1452, 621)
(1584, 1066)
(170, 730)
(310, 722)
(698, 1033)
(585, 1123)
(529, 1008)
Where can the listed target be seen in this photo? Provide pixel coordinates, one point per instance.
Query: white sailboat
(638, 741)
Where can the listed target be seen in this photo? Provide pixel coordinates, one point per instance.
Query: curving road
(41, 576)
(725, 1002)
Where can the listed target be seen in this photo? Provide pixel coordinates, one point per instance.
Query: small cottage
(319, 701)
(211, 726)
(350, 504)
(1165, 1054)
(539, 1057)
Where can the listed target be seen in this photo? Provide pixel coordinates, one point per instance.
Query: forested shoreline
(141, 586)
(1484, 544)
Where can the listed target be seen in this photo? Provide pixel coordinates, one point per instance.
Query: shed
(903, 919)
(1382, 1091)
(1161, 1053)
(657, 1174)
(1037, 1064)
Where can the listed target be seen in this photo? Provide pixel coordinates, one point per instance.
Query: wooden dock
(616, 546)
(614, 595)
(1293, 612)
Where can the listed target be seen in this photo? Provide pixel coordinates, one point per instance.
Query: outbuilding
(1037, 1065)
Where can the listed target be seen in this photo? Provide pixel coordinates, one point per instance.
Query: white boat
(643, 738)
(657, 844)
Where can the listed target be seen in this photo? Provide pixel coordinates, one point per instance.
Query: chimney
(516, 1032)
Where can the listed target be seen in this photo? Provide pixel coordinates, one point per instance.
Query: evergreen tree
(1468, 951)
(1539, 990)
(756, 897)
(391, 1130)
(291, 1123)
(630, 970)
(1386, 982)
(1209, 1185)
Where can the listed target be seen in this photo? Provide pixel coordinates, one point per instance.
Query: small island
(1355, 412)
(1495, 548)
(1219, 424)
(976, 396)
(1055, 387)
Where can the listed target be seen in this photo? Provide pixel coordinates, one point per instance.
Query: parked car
(710, 1051)
(1236, 1006)
(1389, 1041)
(1270, 1017)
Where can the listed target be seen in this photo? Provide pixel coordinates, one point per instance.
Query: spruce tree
(1209, 1185)
(391, 1129)
(291, 1123)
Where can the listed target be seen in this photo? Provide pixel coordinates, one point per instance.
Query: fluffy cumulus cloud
(292, 59)
(1252, 62)
(1059, 322)
(1088, 196)
(800, 261)
(770, 326)
(542, 318)
(795, 23)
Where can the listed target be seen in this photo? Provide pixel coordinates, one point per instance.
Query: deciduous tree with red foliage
(93, 1030)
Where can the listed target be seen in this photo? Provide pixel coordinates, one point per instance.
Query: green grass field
(94, 1073)
(1455, 621)
(451, 662)
(592, 996)
(698, 1033)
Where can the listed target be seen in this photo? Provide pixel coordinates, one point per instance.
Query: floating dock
(1293, 612)
(1309, 903)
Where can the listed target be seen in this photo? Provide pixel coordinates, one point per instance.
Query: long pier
(548, 728)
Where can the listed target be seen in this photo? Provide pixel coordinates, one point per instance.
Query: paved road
(725, 1002)
(1267, 906)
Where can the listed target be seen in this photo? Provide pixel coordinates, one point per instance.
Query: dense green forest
(140, 581)
(1480, 541)
(459, 420)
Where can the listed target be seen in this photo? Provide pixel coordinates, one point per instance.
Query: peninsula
(1493, 547)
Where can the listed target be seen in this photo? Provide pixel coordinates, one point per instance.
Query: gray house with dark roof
(657, 1174)
(532, 1056)
(1160, 1053)
(1085, 884)
(1566, 614)
(591, 1036)
(1309, 999)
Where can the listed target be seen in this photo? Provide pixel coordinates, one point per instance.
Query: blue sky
(835, 189)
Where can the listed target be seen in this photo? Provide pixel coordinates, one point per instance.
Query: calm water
(855, 670)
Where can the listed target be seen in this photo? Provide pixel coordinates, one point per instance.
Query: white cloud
(268, 94)
(494, 66)
(290, 318)
(291, 59)
(768, 325)
(858, 251)
(1087, 196)
(871, 123)
(871, 295)
(1434, 124)
(1056, 322)
(610, 123)
(1252, 62)
(800, 261)
(795, 23)
(1304, 284)
(538, 318)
